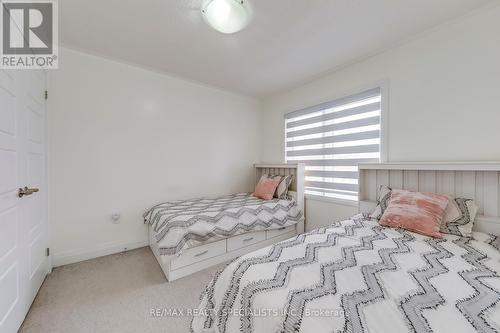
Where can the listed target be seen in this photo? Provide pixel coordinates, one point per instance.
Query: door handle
(26, 191)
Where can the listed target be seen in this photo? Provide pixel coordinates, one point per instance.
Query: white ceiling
(287, 43)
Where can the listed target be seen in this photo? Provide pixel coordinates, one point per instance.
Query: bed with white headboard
(379, 278)
(211, 253)
(297, 170)
(477, 181)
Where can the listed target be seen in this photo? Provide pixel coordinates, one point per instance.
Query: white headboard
(295, 169)
(477, 181)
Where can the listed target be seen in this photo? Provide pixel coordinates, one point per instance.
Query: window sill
(332, 200)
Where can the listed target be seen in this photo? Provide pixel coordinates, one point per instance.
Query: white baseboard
(70, 257)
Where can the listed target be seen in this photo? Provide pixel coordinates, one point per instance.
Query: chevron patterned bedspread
(357, 276)
(183, 224)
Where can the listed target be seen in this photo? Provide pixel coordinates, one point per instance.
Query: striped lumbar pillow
(459, 217)
(383, 199)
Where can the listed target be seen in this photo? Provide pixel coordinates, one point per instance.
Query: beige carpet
(114, 294)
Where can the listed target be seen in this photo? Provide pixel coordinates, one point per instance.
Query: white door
(23, 220)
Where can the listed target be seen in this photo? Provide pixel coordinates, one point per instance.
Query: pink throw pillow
(266, 187)
(414, 211)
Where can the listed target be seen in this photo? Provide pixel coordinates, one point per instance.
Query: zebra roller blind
(332, 138)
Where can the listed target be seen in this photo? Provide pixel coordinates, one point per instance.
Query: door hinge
(46, 94)
(47, 251)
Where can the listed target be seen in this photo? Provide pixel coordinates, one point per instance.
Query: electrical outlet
(115, 217)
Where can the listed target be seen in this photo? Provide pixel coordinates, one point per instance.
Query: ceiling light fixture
(226, 16)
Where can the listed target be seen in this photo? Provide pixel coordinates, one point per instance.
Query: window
(331, 139)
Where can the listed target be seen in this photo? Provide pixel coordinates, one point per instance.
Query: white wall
(123, 138)
(443, 103)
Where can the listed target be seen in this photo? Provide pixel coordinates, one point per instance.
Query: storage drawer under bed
(243, 240)
(280, 231)
(199, 253)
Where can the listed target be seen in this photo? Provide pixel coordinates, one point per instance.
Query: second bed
(189, 235)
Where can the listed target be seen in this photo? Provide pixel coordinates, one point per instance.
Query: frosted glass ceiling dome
(226, 16)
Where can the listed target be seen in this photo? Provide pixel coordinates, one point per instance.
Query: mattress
(357, 276)
(183, 224)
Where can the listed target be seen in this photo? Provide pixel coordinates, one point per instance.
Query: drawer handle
(248, 239)
(282, 228)
(201, 253)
